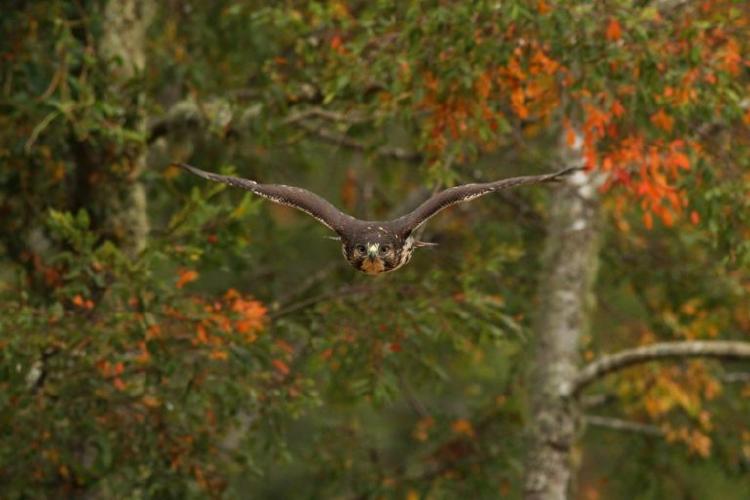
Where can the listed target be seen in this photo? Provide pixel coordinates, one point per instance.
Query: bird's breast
(372, 266)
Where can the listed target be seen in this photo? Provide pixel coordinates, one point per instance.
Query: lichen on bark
(566, 299)
(119, 204)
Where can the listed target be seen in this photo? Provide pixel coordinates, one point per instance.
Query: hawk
(374, 247)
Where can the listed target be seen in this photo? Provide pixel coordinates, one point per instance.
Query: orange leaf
(570, 135)
(201, 336)
(517, 101)
(285, 346)
(695, 218)
(662, 120)
(150, 401)
(119, 384)
(199, 477)
(422, 429)
(463, 427)
(253, 315)
(680, 160)
(153, 331)
(648, 220)
(144, 356)
(590, 492)
(667, 218)
(483, 85)
(543, 7)
(280, 366)
(336, 42)
(617, 109)
(79, 301)
(185, 276)
(699, 443)
(614, 30)
(104, 368)
(219, 355)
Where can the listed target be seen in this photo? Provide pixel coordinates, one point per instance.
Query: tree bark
(720, 349)
(108, 184)
(565, 294)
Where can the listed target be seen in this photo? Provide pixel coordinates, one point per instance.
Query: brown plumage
(374, 247)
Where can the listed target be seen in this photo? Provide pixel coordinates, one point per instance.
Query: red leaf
(695, 218)
(614, 30)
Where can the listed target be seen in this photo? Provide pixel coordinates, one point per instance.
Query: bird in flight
(374, 247)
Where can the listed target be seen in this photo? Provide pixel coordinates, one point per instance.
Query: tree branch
(334, 116)
(618, 424)
(721, 349)
(735, 378)
(338, 139)
(188, 116)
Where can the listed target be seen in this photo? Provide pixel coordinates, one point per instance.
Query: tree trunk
(566, 297)
(108, 184)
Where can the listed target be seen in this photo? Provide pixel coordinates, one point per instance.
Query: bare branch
(338, 139)
(721, 349)
(589, 401)
(618, 424)
(735, 378)
(326, 114)
(344, 291)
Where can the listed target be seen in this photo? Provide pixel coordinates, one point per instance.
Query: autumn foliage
(220, 351)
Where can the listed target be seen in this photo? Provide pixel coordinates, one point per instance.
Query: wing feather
(466, 192)
(295, 197)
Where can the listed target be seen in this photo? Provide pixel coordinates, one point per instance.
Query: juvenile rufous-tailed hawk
(374, 247)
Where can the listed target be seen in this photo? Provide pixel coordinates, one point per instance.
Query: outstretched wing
(466, 192)
(298, 198)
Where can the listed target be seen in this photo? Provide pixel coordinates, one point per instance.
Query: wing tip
(194, 170)
(559, 175)
(184, 166)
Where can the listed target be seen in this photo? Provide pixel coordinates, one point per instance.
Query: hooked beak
(372, 252)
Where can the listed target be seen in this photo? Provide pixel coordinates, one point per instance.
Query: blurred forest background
(165, 337)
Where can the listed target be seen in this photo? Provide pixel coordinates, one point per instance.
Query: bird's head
(376, 252)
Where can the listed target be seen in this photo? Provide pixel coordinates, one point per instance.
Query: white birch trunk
(565, 294)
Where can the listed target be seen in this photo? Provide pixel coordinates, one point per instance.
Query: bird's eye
(385, 249)
(360, 249)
